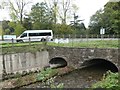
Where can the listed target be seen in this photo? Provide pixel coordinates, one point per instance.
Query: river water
(80, 78)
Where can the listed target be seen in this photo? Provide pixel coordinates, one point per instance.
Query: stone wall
(76, 56)
(20, 62)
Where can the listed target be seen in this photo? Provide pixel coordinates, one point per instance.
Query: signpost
(102, 31)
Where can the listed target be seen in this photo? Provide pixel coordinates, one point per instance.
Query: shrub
(46, 74)
(110, 81)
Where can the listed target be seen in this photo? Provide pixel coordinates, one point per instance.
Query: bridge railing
(86, 36)
(71, 41)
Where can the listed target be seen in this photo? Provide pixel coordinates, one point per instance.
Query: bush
(110, 81)
(46, 74)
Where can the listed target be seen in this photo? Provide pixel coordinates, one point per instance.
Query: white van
(35, 35)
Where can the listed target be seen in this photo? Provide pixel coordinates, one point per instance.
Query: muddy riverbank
(80, 78)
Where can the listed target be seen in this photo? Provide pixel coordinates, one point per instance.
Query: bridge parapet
(75, 57)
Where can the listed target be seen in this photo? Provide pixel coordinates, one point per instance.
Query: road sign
(102, 31)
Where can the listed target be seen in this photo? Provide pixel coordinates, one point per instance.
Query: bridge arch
(99, 62)
(58, 62)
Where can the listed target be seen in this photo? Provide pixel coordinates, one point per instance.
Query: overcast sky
(86, 9)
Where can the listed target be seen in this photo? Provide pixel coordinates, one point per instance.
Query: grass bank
(38, 46)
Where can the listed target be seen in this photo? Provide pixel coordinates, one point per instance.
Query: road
(66, 40)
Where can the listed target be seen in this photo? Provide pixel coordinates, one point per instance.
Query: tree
(18, 28)
(108, 18)
(41, 16)
(77, 25)
(95, 22)
(65, 7)
(60, 9)
(27, 24)
(5, 25)
(17, 10)
(53, 6)
(62, 29)
(112, 19)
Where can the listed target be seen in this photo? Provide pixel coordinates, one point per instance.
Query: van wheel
(20, 41)
(42, 40)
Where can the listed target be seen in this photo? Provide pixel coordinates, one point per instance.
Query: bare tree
(53, 5)
(60, 9)
(17, 9)
(65, 8)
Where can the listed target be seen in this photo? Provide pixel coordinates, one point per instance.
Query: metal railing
(67, 40)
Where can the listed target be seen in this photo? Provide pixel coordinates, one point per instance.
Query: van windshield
(24, 35)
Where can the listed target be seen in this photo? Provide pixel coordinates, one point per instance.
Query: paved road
(81, 39)
(70, 40)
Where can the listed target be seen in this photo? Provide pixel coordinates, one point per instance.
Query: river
(79, 78)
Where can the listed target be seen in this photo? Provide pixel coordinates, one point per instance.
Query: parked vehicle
(35, 35)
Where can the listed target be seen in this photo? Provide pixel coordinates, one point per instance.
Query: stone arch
(100, 62)
(58, 62)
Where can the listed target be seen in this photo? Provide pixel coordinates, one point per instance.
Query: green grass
(38, 46)
(90, 44)
(46, 74)
(19, 44)
(110, 81)
(21, 47)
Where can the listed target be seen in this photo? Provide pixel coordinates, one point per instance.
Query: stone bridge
(73, 57)
(82, 57)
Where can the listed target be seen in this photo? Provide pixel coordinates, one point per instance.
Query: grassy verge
(90, 44)
(38, 46)
(21, 47)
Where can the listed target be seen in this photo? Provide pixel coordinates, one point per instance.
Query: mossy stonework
(74, 57)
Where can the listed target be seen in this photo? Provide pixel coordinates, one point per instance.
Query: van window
(24, 35)
(45, 34)
(40, 34)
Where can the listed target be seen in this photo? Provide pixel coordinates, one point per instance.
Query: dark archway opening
(57, 62)
(100, 64)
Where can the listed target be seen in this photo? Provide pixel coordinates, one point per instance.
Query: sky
(86, 9)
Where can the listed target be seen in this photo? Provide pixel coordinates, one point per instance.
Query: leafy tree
(5, 25)
(108, 18)
(27, 24)
(62, 29)
(112, 19)
(7, 32)
(18, 28)
(41, 16)
(95, 22)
